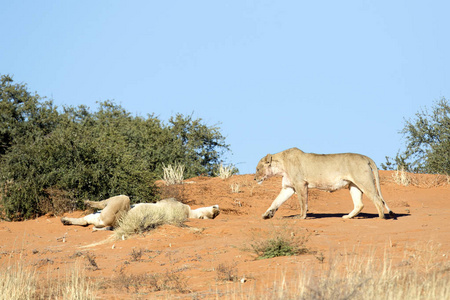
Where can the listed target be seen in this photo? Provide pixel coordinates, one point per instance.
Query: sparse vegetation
(136, 255)
(92, 264)
(77, 286)
(422, 275)
(226, 171)
(18, 282)
(227, 272)
(277, 246)
(142, 283)
(401, 177)
(235, 187)
(283, 242)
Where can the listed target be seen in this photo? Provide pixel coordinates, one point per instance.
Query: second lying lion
(114, 208)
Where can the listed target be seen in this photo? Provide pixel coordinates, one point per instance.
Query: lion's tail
(376, 176)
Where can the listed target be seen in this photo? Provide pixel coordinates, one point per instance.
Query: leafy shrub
(275, 247)
(91, 155)
(282, 242)
(428, 142)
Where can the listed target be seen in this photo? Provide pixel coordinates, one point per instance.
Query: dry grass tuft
(401, 177)
(227, 272)
(235, 187)
(17, 282)
(226, 171)
(173, 174)
(147, 283)
(76, 286)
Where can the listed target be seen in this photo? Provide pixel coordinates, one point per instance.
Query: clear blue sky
(323, 76)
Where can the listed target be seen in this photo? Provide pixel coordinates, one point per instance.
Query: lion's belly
(330, 186)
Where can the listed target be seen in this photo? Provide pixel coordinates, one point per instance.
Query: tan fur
(328, 172)
(209, 212)
(112, 209)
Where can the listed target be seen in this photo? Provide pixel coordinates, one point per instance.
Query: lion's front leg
(285, 194)
(302, 192)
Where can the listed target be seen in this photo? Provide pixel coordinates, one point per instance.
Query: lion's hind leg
(74, 221)
(392, 215)
(96, 204)
(93, 219)
(377, 201)
(356, 194)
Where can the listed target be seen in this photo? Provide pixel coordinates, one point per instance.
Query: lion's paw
(65, 221)
(268, 214)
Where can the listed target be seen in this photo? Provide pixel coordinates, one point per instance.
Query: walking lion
(330, 172)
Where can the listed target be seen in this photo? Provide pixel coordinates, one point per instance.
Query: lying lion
(209, 212)
(331, 172)
(114, 208)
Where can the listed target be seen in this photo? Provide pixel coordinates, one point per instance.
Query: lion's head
(209, 212)
(267, 167)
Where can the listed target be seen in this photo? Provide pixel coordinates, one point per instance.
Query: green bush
(277, 246)
(428, 142)
(283, 241)
(91, 155)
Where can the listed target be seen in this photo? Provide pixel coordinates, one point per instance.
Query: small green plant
(91, 260)
(136, 255)
(277, 247)
(281, 243)
(320, 257)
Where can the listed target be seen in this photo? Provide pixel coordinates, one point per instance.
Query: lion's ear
(268, 159)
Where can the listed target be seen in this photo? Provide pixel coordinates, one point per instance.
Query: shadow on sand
(359, 216)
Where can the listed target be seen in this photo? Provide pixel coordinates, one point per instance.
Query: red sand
(193, 253)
